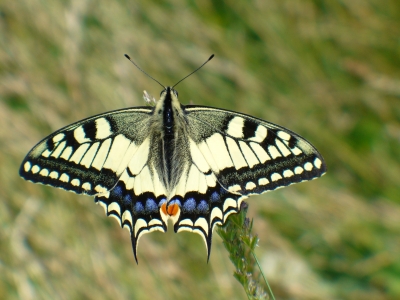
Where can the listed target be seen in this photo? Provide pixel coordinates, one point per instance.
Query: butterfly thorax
(170, 154)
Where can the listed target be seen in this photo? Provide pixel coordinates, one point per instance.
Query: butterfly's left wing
(244, 156)
(106, 156)
(88, 157)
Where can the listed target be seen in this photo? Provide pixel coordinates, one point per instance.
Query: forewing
(90, 155)
(249, 155)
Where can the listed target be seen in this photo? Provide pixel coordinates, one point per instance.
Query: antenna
(193, 71)
(127, 56)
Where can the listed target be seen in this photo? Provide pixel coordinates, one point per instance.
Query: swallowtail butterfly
(188, 163)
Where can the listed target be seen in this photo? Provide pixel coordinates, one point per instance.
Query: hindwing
(136, 200)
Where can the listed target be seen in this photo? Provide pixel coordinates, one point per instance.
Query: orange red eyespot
(172, 210)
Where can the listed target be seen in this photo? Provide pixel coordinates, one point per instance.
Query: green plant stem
(240, 243)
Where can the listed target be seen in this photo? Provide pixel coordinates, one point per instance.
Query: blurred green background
(328, 70)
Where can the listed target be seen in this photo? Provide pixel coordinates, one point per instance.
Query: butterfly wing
(87, 156)
(249, 155)
(136, 199)
(245, 156)
(100, 156)
(203, 201)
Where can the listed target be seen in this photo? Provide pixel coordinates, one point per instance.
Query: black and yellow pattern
(193, 164)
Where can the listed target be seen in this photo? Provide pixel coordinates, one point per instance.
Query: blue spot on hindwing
(222, 191)
(162, 201)
(175, 201)
(214, 197)
(189, 205)
(151, 206)
(138, 208)
(117, 191)
(127, 199)
(202, 207)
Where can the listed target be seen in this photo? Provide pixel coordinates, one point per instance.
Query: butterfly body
(191, 164)
(170, 138)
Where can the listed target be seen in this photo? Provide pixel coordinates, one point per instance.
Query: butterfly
(188, 163)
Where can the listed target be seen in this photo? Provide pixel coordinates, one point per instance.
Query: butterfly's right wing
(234, 156)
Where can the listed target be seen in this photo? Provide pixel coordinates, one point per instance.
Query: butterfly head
(170, 109)
(169, 90)
(169, 97)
